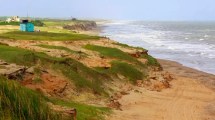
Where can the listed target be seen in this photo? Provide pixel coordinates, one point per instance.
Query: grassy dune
(82, 76)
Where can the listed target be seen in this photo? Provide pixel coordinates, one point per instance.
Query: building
(13, 19)
(26, 26)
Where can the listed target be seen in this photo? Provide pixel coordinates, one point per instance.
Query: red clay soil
(50, 85)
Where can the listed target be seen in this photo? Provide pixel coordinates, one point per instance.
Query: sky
(179, 10)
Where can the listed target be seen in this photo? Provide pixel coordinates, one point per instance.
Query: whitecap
(206, 36)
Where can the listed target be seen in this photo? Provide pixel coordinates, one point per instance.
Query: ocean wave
(168, 41)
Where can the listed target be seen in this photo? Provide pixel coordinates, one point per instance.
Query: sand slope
(187, 99)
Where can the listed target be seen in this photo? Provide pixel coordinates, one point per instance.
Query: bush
(38, 23)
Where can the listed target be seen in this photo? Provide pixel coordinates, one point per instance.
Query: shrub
(38, 23)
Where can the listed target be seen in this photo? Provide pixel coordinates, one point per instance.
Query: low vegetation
(46, 36)
(20, 103)
(151, 61)
(127, 70)
(127, 46)
(130, 72)
(85, 112)
(113, 53)
(57, 47)
(9, 23)
(35, 22)
(24, 57)
(83, 77)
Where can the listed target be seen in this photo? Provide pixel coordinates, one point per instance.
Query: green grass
(129, 71)
(113, 53)
(151, 61)
(10, 23)
(56, 22)
(83, 76)
(51, 23)
(46, 36)
(19, 103)
(35, 22)
(37, 75)
(24, 57)
(127, 46)
(85, 112)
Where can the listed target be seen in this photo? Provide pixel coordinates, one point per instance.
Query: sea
(189, 43)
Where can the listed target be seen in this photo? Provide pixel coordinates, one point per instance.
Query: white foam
(206, 36)
(166, 43)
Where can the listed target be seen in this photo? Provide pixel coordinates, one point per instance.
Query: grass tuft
(151, 61)
(19, 103)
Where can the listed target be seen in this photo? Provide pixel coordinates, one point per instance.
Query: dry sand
(187, 99)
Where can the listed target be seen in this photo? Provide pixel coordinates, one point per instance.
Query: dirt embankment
(85, 26)
(187, 99)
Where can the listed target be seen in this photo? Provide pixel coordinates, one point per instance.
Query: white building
(13, 19)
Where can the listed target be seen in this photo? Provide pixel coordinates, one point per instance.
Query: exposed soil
(49, 84)
(187, 99)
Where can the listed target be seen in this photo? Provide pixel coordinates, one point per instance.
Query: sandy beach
(191, 97)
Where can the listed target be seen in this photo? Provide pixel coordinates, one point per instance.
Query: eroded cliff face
(98, 72)
(115, 66)
(82, 26)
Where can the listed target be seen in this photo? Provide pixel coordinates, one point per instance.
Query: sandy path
(187, 99)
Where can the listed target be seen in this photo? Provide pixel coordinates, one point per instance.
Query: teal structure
(27, 27)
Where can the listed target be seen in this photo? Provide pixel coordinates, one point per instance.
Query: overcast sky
(113, 9)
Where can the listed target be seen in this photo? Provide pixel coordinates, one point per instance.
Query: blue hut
(26, 26)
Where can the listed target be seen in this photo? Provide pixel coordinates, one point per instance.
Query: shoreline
(190, 97)
(184, 71)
